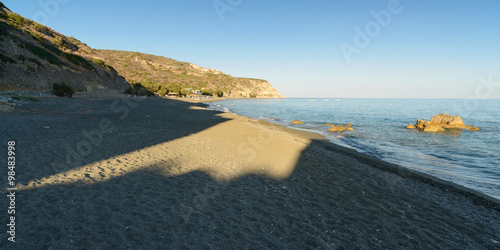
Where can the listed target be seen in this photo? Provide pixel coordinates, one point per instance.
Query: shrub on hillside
(41, 28)
(139, 90)
(163, 92)
(62, 43)
(17, 19)
(44, 54)
(24, 98)
(129, 90)
(36, 36)
(61, 89)
(218, 93)
(207, 92)
(174, 87)
(78, 60)
(103, 64)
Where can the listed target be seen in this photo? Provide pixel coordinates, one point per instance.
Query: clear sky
(316, 48)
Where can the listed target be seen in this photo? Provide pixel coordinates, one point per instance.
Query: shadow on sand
(332, 199)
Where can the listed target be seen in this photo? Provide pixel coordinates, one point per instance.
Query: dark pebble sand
(166, 174)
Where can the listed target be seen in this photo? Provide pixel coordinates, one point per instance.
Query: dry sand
(158, 173)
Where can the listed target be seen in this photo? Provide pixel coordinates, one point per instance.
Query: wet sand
(161, 173)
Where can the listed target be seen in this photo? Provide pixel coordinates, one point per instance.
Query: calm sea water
(468, 158)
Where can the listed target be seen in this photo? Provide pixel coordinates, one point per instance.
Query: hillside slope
(34, 57)
(155, 71)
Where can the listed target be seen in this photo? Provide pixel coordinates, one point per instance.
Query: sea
(467, 158)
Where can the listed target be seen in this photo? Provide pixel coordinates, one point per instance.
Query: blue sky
(425, 49)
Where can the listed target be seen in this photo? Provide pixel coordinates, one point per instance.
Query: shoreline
(177, 174)
(376, 162)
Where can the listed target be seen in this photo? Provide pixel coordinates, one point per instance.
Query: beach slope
(156, 173)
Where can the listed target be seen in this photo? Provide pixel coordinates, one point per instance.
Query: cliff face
(155, 71)
(34, 57)
(254, 88)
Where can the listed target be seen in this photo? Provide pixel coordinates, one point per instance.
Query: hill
(157, 72)
(34, 57)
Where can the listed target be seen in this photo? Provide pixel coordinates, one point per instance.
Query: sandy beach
(153, 173)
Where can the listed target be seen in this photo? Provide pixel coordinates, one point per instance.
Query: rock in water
(447, 119)
(337, 128)
(410, 126)
(427, 126)
(297, 122)
(441, 122)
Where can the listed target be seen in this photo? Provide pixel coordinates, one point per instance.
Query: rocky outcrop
(410, 126)
(340, 128)
(442, 122)
(297, 122)
(336, 128)
(427, 126)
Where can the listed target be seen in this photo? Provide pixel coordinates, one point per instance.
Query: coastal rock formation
(297, 122)
(447, 119)
(337, 128)
(427, 126)
(442, 122)
(410, 126)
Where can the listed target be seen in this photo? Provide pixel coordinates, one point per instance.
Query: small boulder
(349, 125)
(421, 124)
(349, 128)
(297, 122)
(441, 122)
(336, 128)
(410, 126)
